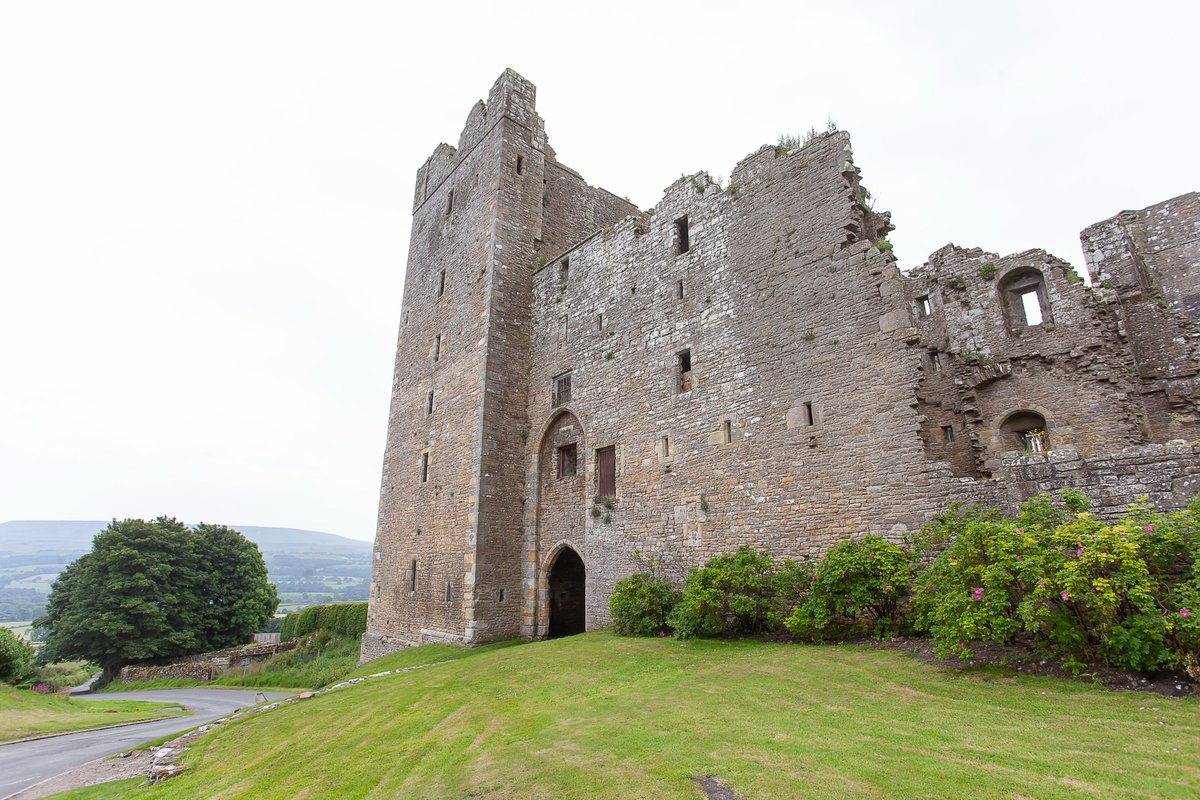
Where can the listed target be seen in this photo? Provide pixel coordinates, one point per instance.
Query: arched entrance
(567, 606)
(1025, 431)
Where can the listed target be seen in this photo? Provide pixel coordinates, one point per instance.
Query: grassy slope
(24, 713)
(601, 716)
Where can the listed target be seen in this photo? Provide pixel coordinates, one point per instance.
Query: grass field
(24, 713)
(598, 716)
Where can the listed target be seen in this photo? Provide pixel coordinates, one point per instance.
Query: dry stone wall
(742, 364)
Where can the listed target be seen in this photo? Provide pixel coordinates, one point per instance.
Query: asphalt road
(25, 763)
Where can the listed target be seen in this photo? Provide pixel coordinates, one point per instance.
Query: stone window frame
(560, 389)
(1017, 283)
(561, 460)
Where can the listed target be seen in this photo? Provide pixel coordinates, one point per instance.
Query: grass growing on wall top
(603, 716)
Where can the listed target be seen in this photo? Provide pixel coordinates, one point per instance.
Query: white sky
(204, 207)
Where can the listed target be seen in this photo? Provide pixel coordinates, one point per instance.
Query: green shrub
(858, 588)
(15, 657)
(340, 619)
(1056, 577)
(641, 603)
(734, 593)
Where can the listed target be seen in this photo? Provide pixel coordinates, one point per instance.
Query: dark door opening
(567, 607)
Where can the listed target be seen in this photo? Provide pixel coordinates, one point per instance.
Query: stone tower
(449, 549)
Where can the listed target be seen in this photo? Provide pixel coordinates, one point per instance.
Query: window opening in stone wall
(726, 431)
(684, 357)
(1025, 431)
(666, 446)
(923, 307)
(565, 325)
(562, 389)
(437, 347)
(1032, 307)
(412, 576)
(447, 591)
(682, 242)
(378, 590)
(599, 322)
(809, 419)
(501, 595)
(566, 461)
(449, 202)
(935, 360)
(442, 283)
(606, 472)
(424, 467)
(679, 290)
(564, 271)
(520, 165)
(1023, 296)
(429, 404)
(947, 434)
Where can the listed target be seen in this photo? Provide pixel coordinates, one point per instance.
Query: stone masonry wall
(759, 367)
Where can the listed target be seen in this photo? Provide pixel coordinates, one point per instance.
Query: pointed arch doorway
(568, 577)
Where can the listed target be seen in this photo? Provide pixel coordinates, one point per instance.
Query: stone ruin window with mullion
(567, 461)
(562, 389)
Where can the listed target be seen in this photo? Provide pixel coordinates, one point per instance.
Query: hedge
(339, 619)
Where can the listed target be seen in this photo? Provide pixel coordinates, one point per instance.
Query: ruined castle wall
(985, 361)
(1150, 259)
(781, 306)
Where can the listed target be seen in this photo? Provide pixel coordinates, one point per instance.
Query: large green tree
(151, 591)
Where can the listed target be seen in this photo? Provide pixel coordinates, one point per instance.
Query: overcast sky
(205, 207)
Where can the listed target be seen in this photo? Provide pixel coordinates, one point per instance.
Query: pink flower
(662, 633)
(1079, 552)
(1041, 582)
(888, 588)
(814, 577)
(977, 593)
(1065, 596)
(1020, 530)
(1183, 612)
(1148, 528)
(870, 556)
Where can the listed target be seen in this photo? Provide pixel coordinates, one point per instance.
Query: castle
(577, 380)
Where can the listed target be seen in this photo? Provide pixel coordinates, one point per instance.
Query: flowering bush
(1057, 577)
(640, 604)
(857, 588)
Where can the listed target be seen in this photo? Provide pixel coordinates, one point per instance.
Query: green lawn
(599, 716)
(24, 713)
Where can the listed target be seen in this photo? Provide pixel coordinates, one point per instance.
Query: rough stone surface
(761, 370)
(205, 666)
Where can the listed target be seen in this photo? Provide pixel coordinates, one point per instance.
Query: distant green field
(600, 716)
(21, 629)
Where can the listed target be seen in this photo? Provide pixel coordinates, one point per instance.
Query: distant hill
(26, 537)
(307, 567)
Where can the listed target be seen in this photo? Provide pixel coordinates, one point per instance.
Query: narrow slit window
(923, 307)
(666, 446)
(429, 404)
(425, 467)
(935, 360)
(567, 461)
(437, 347)
(685, 371)
(501, 595)
(412, 576)
(809, 419)
(378, 591)
(442, 283)
(679, 290)
(947, 434)
(599, 322)
(727, 431)
(447, 591)
(449, 202)
(682, 240)
(565, 324)
(564, 271)
(562, 389)
(520, 165)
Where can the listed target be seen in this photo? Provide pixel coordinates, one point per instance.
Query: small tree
(14, 657)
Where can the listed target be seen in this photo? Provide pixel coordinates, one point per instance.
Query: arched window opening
(1023, 296)
(1025, 431)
